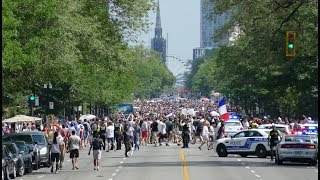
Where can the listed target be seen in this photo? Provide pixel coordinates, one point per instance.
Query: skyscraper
(158, 43)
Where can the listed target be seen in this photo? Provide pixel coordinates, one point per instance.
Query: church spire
(158, 29)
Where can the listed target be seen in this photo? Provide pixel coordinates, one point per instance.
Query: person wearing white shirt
(205, 134)
(162, 131)
(110, 136)
(211, 135)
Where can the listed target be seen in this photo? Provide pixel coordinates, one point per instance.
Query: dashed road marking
(253, 171)
(110, 179)
(119, 166)
(117, 170)
(124, 158)
(68, 160)
(114, 174)
(41, 176)
(257, 175)
(243, 163)
(238, 159)
(121, 162)
(247, 167)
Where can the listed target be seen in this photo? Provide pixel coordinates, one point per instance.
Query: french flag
(223, 110)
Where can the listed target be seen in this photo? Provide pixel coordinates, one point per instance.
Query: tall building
(158, 43)
(209, 24)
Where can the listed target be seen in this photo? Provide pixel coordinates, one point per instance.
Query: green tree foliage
(255, 69)
(81, 48)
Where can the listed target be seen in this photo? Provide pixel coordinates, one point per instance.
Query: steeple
(158, 29)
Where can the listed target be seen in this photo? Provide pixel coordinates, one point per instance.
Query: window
(40, 139)
(240, 134)
(254, 134)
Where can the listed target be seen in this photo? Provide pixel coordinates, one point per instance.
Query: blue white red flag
(223, 110)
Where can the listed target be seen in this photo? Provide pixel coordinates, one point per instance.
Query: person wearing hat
(273, 138)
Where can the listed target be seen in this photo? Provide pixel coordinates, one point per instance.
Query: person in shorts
(96, 146)
(55, 149)
(74, 146)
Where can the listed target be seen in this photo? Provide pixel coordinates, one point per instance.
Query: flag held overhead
(223, 110)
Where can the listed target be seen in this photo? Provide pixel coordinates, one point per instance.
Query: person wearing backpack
(96, 145)
(103, 134)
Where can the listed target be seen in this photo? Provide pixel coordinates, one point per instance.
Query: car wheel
(261, 151)
(14, 174)
(222, 151)
(243, 155)
(21, 170)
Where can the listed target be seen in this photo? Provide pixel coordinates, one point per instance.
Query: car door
(254, 138)
(237, 142)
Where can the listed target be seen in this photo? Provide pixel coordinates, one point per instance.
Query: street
(173, 162)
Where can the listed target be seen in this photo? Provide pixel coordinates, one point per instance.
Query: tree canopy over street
(254, 70)
(81, 48)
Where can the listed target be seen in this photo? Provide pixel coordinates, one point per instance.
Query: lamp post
(47, 88)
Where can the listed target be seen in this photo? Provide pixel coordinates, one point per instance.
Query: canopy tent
(87, 117)
(21, 118)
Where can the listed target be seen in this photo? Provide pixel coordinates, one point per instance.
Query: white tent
(21, 118)
(87, 117)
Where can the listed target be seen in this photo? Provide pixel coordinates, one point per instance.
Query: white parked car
(244, 143)
(296, 148)
(281, 127)
(232, 127)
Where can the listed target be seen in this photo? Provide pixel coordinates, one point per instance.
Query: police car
(308, 129)
(244, 143)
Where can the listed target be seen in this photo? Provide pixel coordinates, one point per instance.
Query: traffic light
(31, 101)
(290, 43)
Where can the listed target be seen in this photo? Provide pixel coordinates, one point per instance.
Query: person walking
(55, 149)
(137, 134)
(117, 133)
(273, 139)
(110, 136)
(144, 132)
(205, 134)
(185, 134)
(96, 146)
(154, 131)
(103, 134)
(211, 135)
(74, 146)
(126, 139)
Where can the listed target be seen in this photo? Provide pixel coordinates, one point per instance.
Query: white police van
(244, 143)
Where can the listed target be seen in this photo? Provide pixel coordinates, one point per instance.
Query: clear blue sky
(181, 20)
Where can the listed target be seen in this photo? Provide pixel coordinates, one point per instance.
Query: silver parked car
(296, 148)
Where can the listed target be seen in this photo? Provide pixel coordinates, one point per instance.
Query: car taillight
(241, 128)
(308, 146)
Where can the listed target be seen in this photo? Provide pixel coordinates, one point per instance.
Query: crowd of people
(160, 123)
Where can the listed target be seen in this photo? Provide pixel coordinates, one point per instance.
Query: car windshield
(232, 124)
(282, 129)
(40, 139)
(26, 138)
(297, 139)
(11, 148)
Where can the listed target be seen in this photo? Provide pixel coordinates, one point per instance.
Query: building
(158, 43)
(209, 24)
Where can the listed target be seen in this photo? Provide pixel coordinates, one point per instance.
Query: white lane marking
(257, 175)
(68, 160)
(114, 174)
(253, 171)
(117, 170)
(123, 158)
(121, 162)
(110, 179)
(41, 176)
(238, 159)
(316, 171)
(243, 163)
(247, 167)
(119, 166)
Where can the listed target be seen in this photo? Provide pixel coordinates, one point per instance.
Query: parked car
(296, 148)
(36, 140)
(17, 157)
(232, 127)
(281, 127)
(27, 155)
(8, 166)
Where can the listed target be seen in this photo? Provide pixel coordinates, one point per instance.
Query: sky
(181, 20)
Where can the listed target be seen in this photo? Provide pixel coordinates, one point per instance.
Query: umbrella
(19, 118)
(214, 113)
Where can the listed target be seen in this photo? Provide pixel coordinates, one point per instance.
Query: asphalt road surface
(173, 162)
